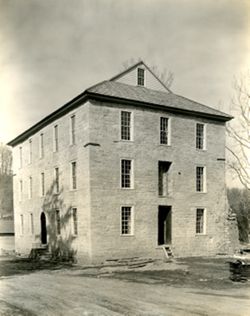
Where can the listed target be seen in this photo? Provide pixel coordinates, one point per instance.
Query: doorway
(43, 229)
(164, 225)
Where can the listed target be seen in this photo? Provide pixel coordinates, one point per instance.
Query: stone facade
(98, 151)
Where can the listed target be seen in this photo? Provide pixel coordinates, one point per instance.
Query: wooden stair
(167, 251)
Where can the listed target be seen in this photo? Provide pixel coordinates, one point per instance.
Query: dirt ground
(191, 286)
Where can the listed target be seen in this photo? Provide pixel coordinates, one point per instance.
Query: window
(126, 173)
(73, 175)
(57, 180)
(200, 221)
(22, 224)
(126, 125)
(200, 179)
(164, 131)
(30, 187)
(163, 174)
(74, 221)
(20, 157)
(58, 222)
(200, 136)
(31, 224)
(20, 190)
(30, 151)
(126, 220)
(41, 153)
(72, 129)
(140, 77)
(55, 138)
(42, 184)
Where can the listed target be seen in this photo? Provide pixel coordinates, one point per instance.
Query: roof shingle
(145, 95)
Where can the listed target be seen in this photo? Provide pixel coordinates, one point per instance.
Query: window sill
(201, 150)
(165, 145)
(126, 140)
(198, 235)
(121, 235)
(127, 188)
(201, 192)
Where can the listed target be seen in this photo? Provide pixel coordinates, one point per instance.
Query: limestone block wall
(67, 198)
(145, 150)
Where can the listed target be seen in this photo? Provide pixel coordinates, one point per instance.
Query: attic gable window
(140, 77)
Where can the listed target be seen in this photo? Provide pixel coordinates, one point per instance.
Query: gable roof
(140, 63)
(140, 96)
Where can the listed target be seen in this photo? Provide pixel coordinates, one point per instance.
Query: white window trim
(169, 130)
(138, 85)
(204, 179)
(32, 224)
(30, 188)
(20, 157)
(57, 192)
(54, 138)
(204, 136)
(20, 184)
(131, 129)
(21, 225)
(41, 145)
(42, 184)
(30, 151)
(71, 175)
(204, 223)
(72, 221)
(132, 174)
(71, 129)
(132, 221)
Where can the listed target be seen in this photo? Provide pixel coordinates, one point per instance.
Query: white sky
(52, 50)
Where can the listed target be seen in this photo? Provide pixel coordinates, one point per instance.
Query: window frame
(204, 148)
(41, 145)
(57, 181)
(72, 129)
(139, 77)
(73, 221)
(132, 233)
(20, 157)
(58, 222)
(30, 151)
(20, 190)
(30, 188)
(71, 175)
(55, 138)
(31, 224)
(131, 174)
(168, 131)
(42, 184)
(204, 226)
(21, 225)
(131, 127)
(204, 184)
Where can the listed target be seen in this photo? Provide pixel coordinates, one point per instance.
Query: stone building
(127, 168)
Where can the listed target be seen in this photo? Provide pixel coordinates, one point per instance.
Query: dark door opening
(164, 225)
(43, 229)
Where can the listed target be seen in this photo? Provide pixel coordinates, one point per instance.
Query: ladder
(167, 251)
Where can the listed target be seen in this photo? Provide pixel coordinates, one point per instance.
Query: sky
(52, 50)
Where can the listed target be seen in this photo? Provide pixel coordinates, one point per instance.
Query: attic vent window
(140, 77)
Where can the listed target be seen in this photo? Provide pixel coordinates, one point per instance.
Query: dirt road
(53, 293)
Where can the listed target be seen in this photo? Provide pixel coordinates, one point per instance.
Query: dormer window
(140, 77)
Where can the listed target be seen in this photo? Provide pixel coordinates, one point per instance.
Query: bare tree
(239, 131)
(5, 159)
(166, 76)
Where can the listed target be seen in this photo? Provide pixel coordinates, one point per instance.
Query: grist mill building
(127, 168)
